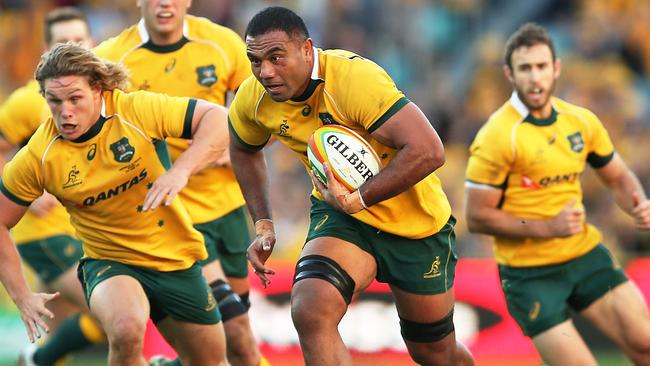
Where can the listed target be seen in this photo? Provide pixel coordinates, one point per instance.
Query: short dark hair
(527, 35)
(59, 15)
(277, 18)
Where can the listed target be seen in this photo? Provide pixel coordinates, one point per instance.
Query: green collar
(542, 121)
(166, 48)
(313, 83)
(92, 131)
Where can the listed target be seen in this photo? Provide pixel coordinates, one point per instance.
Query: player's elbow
(475, 221)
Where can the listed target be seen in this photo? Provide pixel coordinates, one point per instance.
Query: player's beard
(536, 106)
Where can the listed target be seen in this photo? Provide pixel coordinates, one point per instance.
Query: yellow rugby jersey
(538, 164)
(209, 61)
(349, 90)
(103, 177)
(20, 116)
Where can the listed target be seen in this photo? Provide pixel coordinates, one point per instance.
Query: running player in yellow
(44, 236)
(397, 228)
(177, 54)
(99, 156)
(523, 187)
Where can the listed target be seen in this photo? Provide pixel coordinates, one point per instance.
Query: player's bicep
(408, 126)
(11, 212)
(213, 114)
(481, 197)
(613, 171)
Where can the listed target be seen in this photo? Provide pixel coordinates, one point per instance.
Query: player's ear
(507, 71)
(308, 48)
(558, 67)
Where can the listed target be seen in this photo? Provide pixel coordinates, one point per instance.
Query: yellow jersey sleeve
(372, 94)
(601, 148)
(21, 178)
(241, 116)
(22, 113)
(158, 115)
(491, 158)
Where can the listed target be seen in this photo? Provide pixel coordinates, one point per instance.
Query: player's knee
(318, 266)
(425, 340)
(126, 333)
(230, 304)
(427, 332)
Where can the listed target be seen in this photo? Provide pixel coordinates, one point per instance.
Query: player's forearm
(624, 190)
(496, 222)
(209, 142)
(250, 170)
(409, 166)
(11, 273)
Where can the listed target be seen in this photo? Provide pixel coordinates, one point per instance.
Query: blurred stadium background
(446, 55)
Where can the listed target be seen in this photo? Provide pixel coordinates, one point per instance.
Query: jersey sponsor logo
(327, 119)
(321, 222)
(284, 128)
(112, 192)
(170, 66)
(73, 180)
(434, 271)
(576, 141)
(527, 182)
(91, 152)
(534, 310)
(103, 270)
(206, 75)
(123, 151)
(212, 302)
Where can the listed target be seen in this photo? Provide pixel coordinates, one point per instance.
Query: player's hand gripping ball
(351, 159)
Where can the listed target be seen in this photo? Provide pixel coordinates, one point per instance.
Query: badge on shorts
(206, 75)
(122, 150)
(577, 144)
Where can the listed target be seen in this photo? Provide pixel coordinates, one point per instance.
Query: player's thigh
(115, 296)
(196, 344)
(621, 313)
(70, 288)
(563, 345)
(212, 271)
(239, 284)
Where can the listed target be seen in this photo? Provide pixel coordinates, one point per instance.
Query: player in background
(396, 228)
(523, 187)
(44, 236)
(99, 156)
(178, 54)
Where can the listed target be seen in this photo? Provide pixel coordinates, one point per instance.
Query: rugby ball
(351, 159)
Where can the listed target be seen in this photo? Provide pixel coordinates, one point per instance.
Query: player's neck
(543, 112)
(165, 39)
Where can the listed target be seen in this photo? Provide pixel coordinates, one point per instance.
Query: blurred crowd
(447, 56)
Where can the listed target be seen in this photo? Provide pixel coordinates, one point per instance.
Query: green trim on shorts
(421, 266)
(227, 239)
(51, 257)
(184, 295)
(541, 297)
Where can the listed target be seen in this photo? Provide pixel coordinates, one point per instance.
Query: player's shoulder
(250, 89)
(113, 48)
(28, 93)
(497, 129)
(200, 28)
(336, 60)
(564, 107)
(44, 136)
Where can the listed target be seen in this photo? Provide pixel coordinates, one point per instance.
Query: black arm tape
(427, 332)
(318, 266)
(230, 304)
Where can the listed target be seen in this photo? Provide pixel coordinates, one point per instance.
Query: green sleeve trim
(163, 153)
(189, 115)
(242, 142)
(499, 186)
(596, 161)
(389, 113)
(11, 196)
